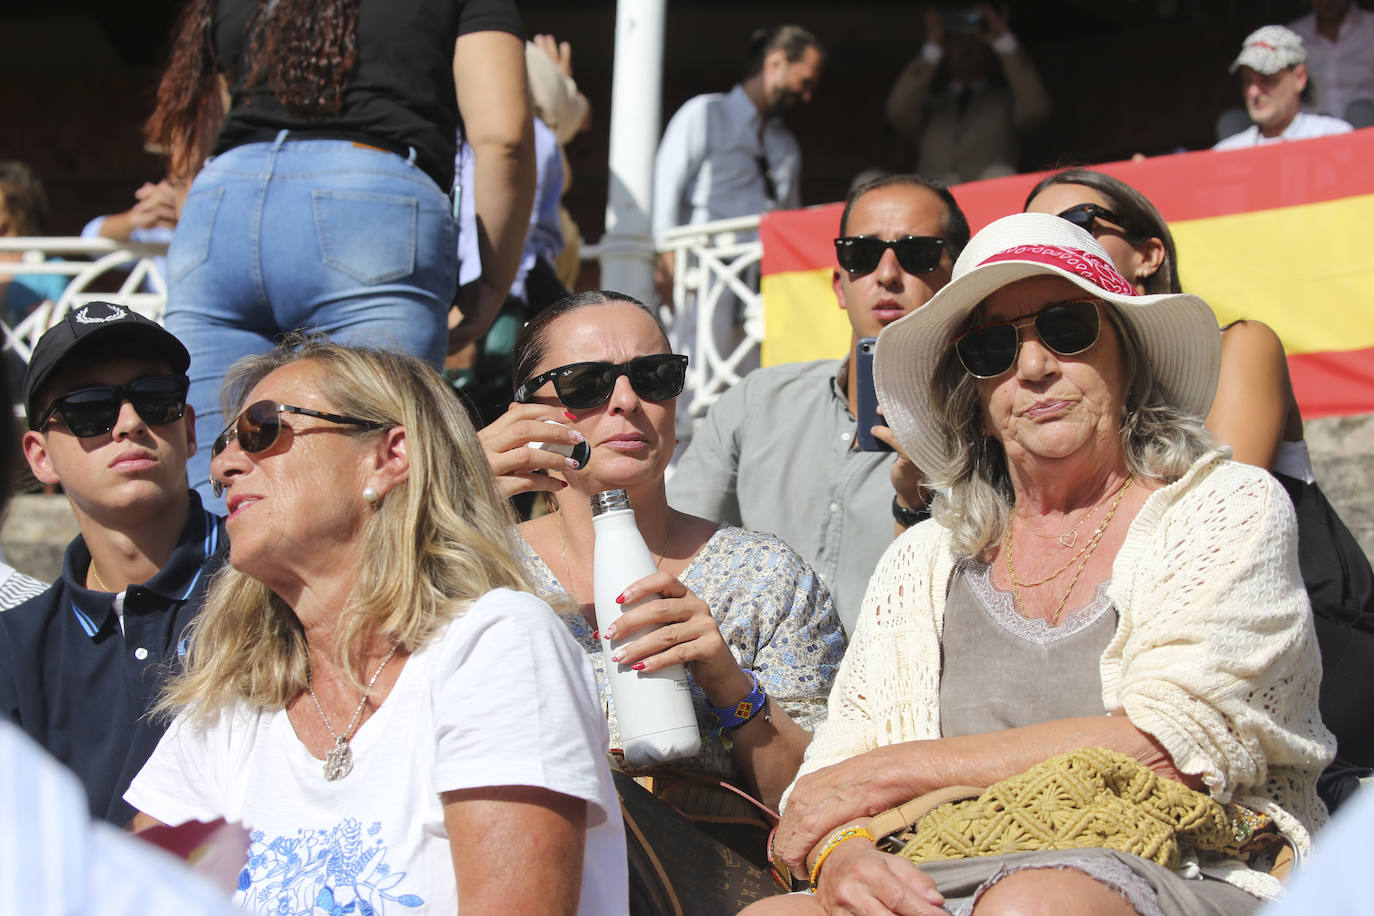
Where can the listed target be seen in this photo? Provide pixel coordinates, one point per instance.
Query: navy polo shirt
(79, 686)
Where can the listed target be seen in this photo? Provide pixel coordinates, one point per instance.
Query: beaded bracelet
(729, 718)
(849, 833)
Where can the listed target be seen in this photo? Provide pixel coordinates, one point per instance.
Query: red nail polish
(570, 415)
(596, 634)
(637, 666)
(620, 599)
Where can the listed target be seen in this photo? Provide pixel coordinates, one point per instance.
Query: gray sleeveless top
(1000, 670)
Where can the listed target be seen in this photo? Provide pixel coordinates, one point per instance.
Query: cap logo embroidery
(84, 315)
(1083, 263)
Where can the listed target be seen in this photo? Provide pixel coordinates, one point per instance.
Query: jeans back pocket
(190, 246)
(367, 236)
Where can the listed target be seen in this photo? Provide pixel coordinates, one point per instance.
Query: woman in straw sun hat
(1095, 575)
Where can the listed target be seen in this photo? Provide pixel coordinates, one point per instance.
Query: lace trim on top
(1000, 605)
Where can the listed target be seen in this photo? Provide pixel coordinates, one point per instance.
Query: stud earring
(370, 494)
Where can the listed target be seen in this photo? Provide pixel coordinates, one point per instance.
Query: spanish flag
(1281, 233)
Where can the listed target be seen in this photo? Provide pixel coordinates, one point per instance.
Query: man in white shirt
(1273, 79)
(729, 154)
(1339, 37)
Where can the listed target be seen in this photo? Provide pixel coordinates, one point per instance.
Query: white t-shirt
(1304, 126)
(502, 696)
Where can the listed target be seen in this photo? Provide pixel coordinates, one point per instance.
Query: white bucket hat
(1177, 331)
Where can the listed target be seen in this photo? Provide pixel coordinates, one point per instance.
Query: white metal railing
(85, 261)
(717, 313)
(714, 282)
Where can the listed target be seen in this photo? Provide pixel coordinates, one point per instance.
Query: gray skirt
(1151, 889)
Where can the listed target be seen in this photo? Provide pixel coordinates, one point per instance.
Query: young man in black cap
(82, 663)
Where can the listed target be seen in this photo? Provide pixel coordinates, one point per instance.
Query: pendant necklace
(1083, 555)
(338, 762)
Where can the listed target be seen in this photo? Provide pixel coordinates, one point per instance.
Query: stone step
(37, 529)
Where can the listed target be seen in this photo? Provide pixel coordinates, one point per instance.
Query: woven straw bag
(1089, 798)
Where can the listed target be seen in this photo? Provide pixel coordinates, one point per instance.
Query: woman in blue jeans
(325, 202)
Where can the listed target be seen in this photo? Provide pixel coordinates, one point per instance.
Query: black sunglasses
(917, 254)
(583, 386)
(94, 411)
(1066, 328)
(1085, 215)
(258, 425)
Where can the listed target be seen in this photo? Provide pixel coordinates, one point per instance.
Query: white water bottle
(654, 709)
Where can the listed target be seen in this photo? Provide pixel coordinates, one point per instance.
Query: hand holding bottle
(675, 627)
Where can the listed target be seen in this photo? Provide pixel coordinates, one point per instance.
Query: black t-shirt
(400, 93)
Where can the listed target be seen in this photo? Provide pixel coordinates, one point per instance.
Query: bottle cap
(609, 501)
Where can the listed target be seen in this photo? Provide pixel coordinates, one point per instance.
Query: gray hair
(974, 495)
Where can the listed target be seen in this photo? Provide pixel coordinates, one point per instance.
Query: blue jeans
(319, 235)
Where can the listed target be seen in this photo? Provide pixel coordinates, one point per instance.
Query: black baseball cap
(98, 330)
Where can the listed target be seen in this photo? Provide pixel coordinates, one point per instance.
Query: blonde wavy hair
(434, 544)
(974, 495)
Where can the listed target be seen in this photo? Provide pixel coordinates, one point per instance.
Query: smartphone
(962, 20)
(867, 399)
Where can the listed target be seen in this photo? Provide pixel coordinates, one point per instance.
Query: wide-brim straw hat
(1177, 331)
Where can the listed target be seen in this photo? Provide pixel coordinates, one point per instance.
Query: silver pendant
(338, 763)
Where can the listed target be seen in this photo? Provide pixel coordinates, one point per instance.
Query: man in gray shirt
(777, 452)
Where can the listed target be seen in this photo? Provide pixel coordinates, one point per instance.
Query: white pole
(627, 257)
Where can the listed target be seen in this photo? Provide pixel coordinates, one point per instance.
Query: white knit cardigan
(1214, 654)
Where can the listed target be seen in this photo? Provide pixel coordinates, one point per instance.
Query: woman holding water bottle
(750, 621)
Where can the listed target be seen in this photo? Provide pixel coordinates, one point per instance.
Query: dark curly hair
(302, 51)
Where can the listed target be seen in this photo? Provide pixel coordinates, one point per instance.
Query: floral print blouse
(773, 611)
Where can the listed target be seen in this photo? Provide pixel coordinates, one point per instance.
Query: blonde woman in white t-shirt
(371, 689)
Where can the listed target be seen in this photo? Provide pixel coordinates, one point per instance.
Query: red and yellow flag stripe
(1280, 233)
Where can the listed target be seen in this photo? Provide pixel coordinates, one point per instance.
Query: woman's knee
(785, 905)
(1051, 892)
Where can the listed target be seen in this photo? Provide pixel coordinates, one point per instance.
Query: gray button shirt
(776, 453)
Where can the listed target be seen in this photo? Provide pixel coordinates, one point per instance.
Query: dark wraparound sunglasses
(1085, 215)
(582, 386)
(258, 425)
(917, 254)
(1066, 328)
(94, 411)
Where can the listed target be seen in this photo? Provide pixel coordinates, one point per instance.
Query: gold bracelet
(831, 845)
(782, 875)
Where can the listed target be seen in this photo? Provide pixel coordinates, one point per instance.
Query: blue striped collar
(201, 538)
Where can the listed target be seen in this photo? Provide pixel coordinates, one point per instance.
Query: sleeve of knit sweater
(1215, 654)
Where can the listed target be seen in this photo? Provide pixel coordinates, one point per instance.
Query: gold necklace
(563, 548)
(95, 574)
(1097, 533)
(1086, 553)
(1070, 537)
(338, 762)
